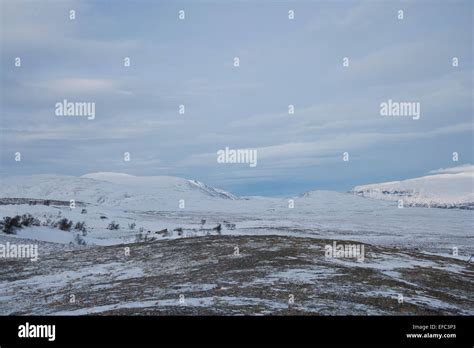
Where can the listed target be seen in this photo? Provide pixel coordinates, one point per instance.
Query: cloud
(80, 86)
(464, 168)
(283, 62)
(350, 17)
(302, 154)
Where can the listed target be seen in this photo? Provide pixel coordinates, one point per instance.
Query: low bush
(64, 224)
(113, 226)
(11, 224)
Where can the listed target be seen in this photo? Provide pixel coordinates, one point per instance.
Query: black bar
(242, 330)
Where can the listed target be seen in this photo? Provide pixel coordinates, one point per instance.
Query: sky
(190, 62)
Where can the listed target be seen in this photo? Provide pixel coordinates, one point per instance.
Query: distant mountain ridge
(115, 189)
(449, 189)
(446, 188)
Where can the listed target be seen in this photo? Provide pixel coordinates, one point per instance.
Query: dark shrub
(218, 228)
(11, 224)
(64, 224)
(81, 226)
(79, 240)
(28, 220)
(229, 225)
(113, 226)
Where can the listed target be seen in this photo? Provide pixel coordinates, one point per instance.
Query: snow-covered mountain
(115, 189)
(160, 183)
(446, 188)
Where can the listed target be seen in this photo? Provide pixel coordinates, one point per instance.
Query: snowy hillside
(115, 189)
(160, 183)
(153, 204)
(281, 249)
(448, 188)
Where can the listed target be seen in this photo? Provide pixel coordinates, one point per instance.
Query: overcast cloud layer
(282, 62)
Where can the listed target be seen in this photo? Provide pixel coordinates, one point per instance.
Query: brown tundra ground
(234, 275)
